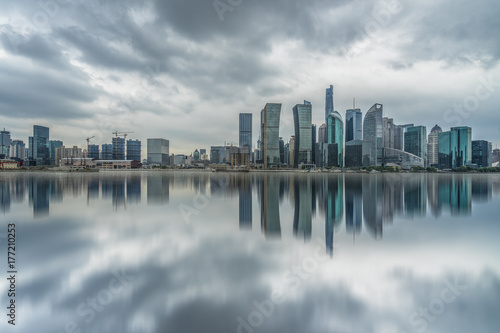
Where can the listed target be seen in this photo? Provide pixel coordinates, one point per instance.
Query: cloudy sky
(184, 69)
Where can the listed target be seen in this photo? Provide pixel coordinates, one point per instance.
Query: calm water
(202, 252)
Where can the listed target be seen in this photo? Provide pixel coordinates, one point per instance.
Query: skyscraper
(416, 141)
(93, 151)
(107, 152)
(372, 132)
(118, 149)
(270, 122)
(353, 125)
(388, 129)
(303, 131)
(322, 137)
(245, 130)
(328, 102)
(5, 142)
(481, 153)
(313, 145)
(433, 146)
(38, 153)
(53, 145)
(134, 150)
(455, 148)
(335, 135)
(463, 155)
(18, 150)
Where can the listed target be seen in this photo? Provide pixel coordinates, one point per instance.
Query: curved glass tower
(372, 133)
(335, 135)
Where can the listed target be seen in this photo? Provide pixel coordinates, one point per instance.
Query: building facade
(302, 114)
(118, 149)
(53, 145)
(433, 147)
(107, 152)
(373, 134)
(245, 130)
(93, 151)
(353, 125)
(134, 150)
(416, 141)
(18, 150)
(481, 153)
(328, 102)
(335, 135)
(38, 153)
(5, 142)
(270, 122)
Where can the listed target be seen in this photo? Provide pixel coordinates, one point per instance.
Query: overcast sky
(184, 69)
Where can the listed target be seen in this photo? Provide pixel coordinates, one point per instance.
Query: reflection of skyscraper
(245, 196)
(334, 207)
(481, 190)
(456, 193)
(353, 204)
(433, 182)
(134, 188)
(39, 196)
(372, 205)
(302, 217)
(372, 132)
(158, 189)
(270, 214)
(415, 197)
(4, 197)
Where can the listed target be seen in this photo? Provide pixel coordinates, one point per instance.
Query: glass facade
(416, 141)
(134, 150)
(313, 143)
(53, 145)
(303, 134)
(118, 149)
(93, 151)
(463, 155)
(447, 146)
(353, 125)
(5, 142)
(335, 135)
(270, 125)
(245, 130)
(433, 147)
(107, 152)
(328, 103)
(39, 153)
(481, 153)
(372, 133)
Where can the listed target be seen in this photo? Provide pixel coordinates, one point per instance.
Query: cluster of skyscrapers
(373, 141)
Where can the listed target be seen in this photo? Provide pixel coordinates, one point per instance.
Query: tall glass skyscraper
(328, 103)
(481, 153)
(433, 147)
(416, 141)
(134, 150)
(118, 148)
(372, 133)
(93, 152)
(270, 125)
(455, 148)
(107, 152)
(313, 143)
(353, 125)
(463, 155)
(53, 145)
(5, 142)
(38, 153)
(302, 114)
(335, 135)
(245, 130)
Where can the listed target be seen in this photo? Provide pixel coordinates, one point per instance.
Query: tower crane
(124, 134)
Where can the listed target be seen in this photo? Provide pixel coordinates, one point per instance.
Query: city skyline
(85, 78)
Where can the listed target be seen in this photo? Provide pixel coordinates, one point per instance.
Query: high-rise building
(196, 156)
(245, 130)
(282, 151)
(455, 148)
(373, 133)
(495, 156)
(93, 152)
(291, 145)
(481, 153)
(158, 152)
(433, 147)
(5, 142)
(313, 145)
(53, 145)
(134, 150)
(107, 152)
(416, 141)
(270, 125)
(118, 149)
(322, 134)
(38, 153)
(399, 136)
(217, 154)
(335, 135)
(353, 125)
(328, 103)
(202, 152)
(18, 150)
(355, 151)
(388, 129)
(302, 114)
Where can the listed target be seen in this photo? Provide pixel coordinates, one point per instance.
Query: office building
(291, 145)
(18, 150)
(303, 131)
(38, 153)
(481, 153)
(335, 135)
(416, 141)
(286, 154)
(313, 144)
(270, 122)
(328, 102)
(282, 151)
(217, 154)
(355, 150)
(118, 149)
(196, 156)
(322, 134)
(245, 130)
(107, 152)
(5, 142)
(388, 132)
(353, 125)
(433, 147)
(53, 145)
(93, 152)
(373, 134)
(455, 148)
(134, 150)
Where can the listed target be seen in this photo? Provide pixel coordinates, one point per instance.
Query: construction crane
(124, 134)
(88, 146)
